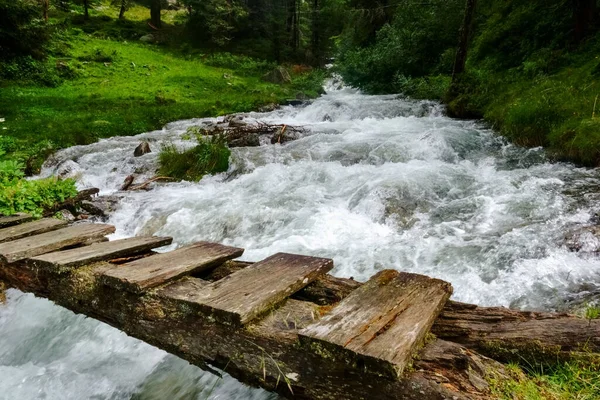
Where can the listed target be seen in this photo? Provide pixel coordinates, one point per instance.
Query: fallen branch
(144, 185)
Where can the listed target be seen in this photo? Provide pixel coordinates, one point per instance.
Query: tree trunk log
(584, 16)
(123, 9)
(463, 42)
(508, 335)
(155, 14)
(497, 332)
(265, 353)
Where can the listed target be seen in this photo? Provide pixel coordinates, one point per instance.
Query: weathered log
(381, 323)
(497, 332)
(264, 354)
(30, 228)
(72, 236)
(509, 335)
(142, 275)
(12, 220)
(253, 291)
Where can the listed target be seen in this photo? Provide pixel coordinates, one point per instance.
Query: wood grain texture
(512, 335)
(142, 275)
(239, 298)
(80, 234)
(380, 325)
(30, 228)
(64, 261)
(16, 219)
(265, 354)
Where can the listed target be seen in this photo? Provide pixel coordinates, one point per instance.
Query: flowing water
(376, 182)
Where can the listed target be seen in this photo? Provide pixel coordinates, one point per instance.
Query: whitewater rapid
(375, 182)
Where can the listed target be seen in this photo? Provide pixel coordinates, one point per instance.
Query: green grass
(571, 380)
(208, 157)
(105, 87)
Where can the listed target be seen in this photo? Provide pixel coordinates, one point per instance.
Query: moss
(507, 351)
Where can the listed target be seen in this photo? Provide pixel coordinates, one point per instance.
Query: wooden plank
(79, 234)
(141, 275)
(16, 219)
(64, 261)
(241, 297)
(379, 325)
(30, 228)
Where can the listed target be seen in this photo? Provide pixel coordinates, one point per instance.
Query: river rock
(279, 75)
(143, 148)
(69, 170)
(268, 108)
(237, 122)
(586, 239)
(66, 215)
(101, 206)
(247, 140)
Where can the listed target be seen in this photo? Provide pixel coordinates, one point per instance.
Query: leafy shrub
(418, 41)
(29, 70)
(208, 157)
(31, 196)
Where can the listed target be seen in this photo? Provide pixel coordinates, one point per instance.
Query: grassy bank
(557, 109)
(101, 81)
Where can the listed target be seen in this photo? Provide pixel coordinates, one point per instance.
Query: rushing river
(375, 182)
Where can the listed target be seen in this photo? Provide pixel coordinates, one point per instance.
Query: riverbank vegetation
(532, 68)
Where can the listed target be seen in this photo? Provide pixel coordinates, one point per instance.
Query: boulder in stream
(584, 239)
(100, 206)
(69, 170)
(143, 148)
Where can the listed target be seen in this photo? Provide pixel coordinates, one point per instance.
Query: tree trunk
(86, 9)
(45, 6)
(155, 14)
(123, 8)
(316, 33)
(463, 44)
(292, 24)
(584, 16)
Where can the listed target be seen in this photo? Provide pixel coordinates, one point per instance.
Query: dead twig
(144, 185)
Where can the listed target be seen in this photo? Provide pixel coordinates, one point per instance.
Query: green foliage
(576, 379)
(31, 196)
(22, 31)
(215, 21)
(592, 312)
(418, 41)
(430, 87)
(209, 156)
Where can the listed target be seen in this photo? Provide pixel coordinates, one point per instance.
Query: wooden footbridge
(283, 323)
